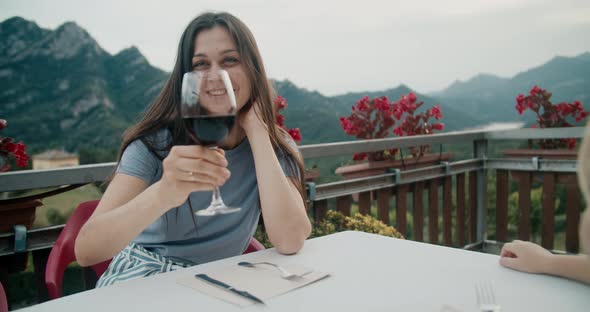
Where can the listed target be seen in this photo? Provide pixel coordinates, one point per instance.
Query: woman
(147, 212)
(532, 258)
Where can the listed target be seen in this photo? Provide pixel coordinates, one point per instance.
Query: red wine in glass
(208, 104)
(211, 130)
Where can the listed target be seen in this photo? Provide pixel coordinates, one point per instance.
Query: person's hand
(525, 256)
(188, 169)
(251, 121)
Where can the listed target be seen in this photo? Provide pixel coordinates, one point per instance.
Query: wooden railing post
(461, 209)
(548, 212)
(523, 179)
(447, 211)
(383, 196)
(365, 203)
(401, 202)
(433, 211)
(473, 207)
(480, 150)
(320, 210)
(418, 218)
(502, 205)
(343, 204)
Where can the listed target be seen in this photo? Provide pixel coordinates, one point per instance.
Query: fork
(284, 273)
(486, 300)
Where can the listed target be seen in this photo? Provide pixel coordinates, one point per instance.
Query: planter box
(14, 213)
(563, 154)
(370, 168)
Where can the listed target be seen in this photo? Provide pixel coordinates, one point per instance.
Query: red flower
(363, 104)
(295, 134)
(535, 90)
(280, 120)
(551, 115)
(382, 104)
(280, 102)
(438, 126)
(360, 156)
(10, 149)
(521, 107)
(571, 143)
(436, 113)
(374, 118)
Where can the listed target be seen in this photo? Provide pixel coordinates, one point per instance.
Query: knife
(223, 285)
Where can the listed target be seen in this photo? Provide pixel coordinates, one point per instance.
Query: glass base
(217, 206)
(216, 210)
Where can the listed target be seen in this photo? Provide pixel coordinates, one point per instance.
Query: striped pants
(135, 261)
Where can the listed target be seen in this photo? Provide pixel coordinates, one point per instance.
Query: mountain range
(60, 89)
(491, 97)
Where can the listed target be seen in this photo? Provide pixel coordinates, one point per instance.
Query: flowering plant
(416, 124)
(9, 148)
(373, 119)
(280, 104)
(551, 116)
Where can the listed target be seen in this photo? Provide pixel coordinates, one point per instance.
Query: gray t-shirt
(174, 234)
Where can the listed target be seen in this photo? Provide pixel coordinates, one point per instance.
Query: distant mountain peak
(69, 39)
(17, 24)
(15, 21)
(16, 36)
(131, 56)
(479, 83)
(403, 88)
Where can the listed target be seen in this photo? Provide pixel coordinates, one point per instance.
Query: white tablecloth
(369, 273)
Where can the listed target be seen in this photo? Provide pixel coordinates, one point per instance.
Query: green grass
(57, 209)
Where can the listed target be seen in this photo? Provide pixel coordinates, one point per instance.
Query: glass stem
(216, 200)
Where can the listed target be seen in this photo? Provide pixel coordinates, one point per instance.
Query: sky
(335, 47)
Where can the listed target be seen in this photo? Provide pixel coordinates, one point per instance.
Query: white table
(369, 273)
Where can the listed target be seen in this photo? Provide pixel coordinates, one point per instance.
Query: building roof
(54, 155)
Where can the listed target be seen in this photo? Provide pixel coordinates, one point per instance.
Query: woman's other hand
(526, 257)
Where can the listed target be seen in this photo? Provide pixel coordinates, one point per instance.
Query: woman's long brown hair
(164, 112)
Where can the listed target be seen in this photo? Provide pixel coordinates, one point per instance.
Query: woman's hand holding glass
(191, 168)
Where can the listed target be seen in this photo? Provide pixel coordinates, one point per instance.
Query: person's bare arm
(129, 205)
(285, 218)
(532, 258)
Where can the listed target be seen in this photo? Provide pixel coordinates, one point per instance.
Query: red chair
(253, 246)
(62, 253)
(3, 300)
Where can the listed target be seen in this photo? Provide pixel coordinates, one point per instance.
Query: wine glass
(208, 104)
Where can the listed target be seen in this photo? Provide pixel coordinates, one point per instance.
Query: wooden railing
(411, 187)
(463, 220)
